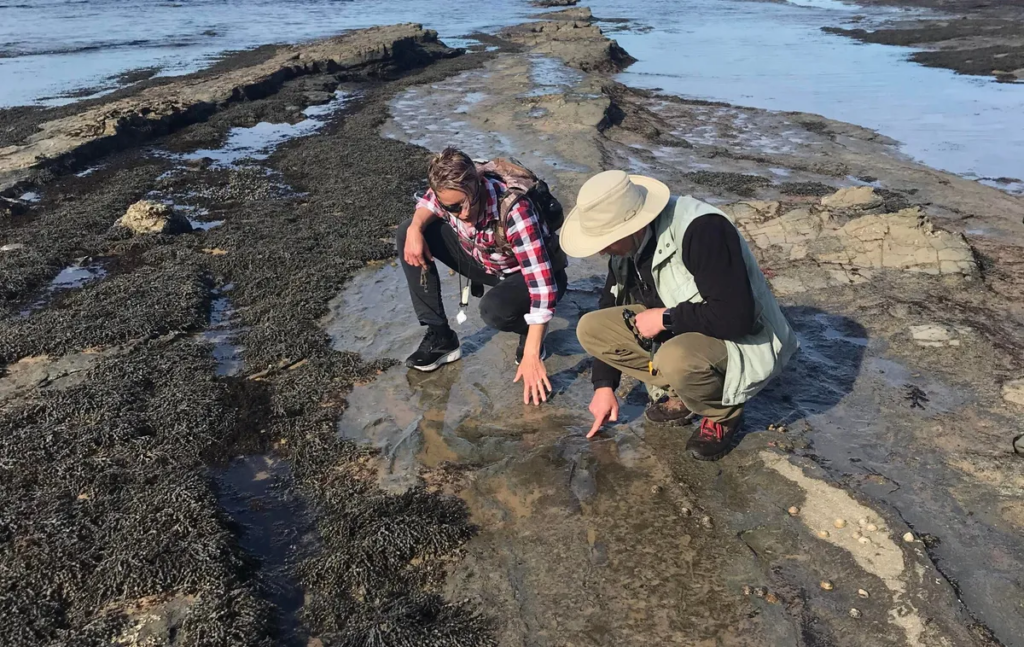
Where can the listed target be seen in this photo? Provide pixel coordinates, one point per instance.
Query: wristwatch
(666, 318)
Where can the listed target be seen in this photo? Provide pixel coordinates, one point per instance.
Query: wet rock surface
(318, 494)
(854, 331)
(579, 43)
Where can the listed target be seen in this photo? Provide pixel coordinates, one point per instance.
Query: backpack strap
(506, 202)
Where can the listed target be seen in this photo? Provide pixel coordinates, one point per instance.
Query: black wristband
(666, 319)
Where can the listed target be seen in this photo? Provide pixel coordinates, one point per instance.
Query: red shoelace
(711, 430)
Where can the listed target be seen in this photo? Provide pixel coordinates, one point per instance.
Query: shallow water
(72, 277)
(435, 117)
(470, 411)
(259, 141)
(256, 493)
(223, 333)
(775, 56)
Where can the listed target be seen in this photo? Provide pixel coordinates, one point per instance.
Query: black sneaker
(669, 412)
(522, 349)
(436, 350)
(711, 440)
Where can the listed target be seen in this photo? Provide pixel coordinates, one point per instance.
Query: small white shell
(839, 523)
(909, 537)
(872, 527)
(862, 593)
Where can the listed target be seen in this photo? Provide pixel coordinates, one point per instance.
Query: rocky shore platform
(205, 438)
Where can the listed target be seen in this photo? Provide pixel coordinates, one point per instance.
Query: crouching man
(487, 227)
(707, 330)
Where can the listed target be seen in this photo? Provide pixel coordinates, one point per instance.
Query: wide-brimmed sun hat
(611, 206)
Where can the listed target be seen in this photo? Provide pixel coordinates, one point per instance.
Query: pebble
(855, 613)
(840, 523)
(655, 489)
(707, 523)
(823, 534)
(827, 585)
(771, 598)
(872, 527)
(686, 512)
(862, 522)
(862, 593)
(857, 535)
(760, 591)
(865, 540)
(909, 537)
(794, 511)
(747, 590)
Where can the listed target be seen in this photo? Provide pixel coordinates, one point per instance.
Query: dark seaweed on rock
(737, 183)
(105, 500)
(70, 226)
(147, 302)
(103, 505)
(817, 189)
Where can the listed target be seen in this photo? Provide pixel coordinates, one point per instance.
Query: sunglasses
(456, 209)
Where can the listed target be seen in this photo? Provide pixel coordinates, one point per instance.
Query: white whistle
(461, 317)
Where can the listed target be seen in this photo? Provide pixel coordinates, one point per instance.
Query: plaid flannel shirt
(526, 235)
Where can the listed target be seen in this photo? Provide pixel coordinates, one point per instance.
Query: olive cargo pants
(690, 366)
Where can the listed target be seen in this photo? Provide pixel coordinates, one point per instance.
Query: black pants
(504, 305)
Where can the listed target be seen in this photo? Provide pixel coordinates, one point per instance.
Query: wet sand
(217, 447)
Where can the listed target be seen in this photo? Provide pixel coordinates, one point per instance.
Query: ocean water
(763, 54)
(49, 48)
(775, 56)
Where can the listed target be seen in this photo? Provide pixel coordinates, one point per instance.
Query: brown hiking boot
(668, 412)
(711, 440)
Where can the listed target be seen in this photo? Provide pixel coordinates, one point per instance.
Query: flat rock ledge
(845, 243)
(73, 140)
(577, 42)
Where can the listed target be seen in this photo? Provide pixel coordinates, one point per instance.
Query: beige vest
(754, 359)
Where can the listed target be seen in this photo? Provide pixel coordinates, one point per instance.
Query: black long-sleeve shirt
(711, 252)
